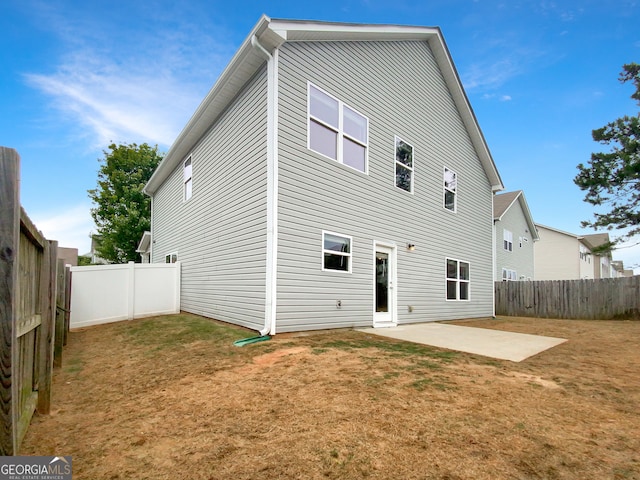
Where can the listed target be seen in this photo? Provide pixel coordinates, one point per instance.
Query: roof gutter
(272, 187)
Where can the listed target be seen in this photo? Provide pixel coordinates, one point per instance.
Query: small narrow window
(171, 258)
(336, 130)
(458, 280)
(450, 189)
(188, 177)
(336, 252)
(508, 240)
(404, 165)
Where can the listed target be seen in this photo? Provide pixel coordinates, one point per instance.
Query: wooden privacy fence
(599, 299)
(28, 291)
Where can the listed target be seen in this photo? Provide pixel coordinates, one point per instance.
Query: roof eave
(272, 33)
(243, 65)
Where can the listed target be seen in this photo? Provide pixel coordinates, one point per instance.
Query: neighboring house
(515, 234)
(602, 267)
(68, 255)
(334, 176)
(93, 253)
(144, 247)
(620, 271)
(562, 255)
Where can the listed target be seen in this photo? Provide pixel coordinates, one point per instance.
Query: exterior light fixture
(411, 247)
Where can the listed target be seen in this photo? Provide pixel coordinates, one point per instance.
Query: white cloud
(131, 82)
(119, 105)
(70, 226)
(505, 98)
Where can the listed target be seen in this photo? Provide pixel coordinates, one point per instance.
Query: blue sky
(78, 75)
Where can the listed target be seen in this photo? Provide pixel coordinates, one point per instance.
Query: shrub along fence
(603, 299)
(30, 341)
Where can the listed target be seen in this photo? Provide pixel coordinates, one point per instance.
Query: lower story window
(336, 252)
(171, 258)
(458, 280)
(509, 275)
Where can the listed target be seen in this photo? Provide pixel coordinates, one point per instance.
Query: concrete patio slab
(480, 341)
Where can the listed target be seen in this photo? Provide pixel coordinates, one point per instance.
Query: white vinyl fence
(110, 293)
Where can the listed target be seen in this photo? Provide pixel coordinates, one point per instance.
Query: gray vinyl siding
(220, 233)
(521, 258)
(399, 87)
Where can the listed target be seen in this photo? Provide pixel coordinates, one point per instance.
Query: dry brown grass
(171, 397)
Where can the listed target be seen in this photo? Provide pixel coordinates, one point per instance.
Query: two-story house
(602, 266)
(561, 255)
(515, 233)
(334, 176)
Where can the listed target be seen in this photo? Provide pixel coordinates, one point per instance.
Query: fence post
(132, 294)
(178, 279)
(67, 301)
(9, 241)
(47, 329)
(60, 313)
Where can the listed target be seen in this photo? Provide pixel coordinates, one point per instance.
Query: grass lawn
(172, 398)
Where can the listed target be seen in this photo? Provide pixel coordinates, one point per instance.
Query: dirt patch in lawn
(171, 397)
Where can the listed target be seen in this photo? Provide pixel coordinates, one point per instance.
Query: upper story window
(458, 280)
(187, 179)
(585, 255)
(336, 252)
(404, 165)
(336, 130)
(450, 189)
(508, 240)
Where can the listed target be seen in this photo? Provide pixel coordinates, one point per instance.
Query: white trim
(458, 280)
(271, 267)
(340, 133)
(349, 255)
(445, 189)
(171, 254)
(151, 230)
(494, 261)
(396, 163)
(393, 284)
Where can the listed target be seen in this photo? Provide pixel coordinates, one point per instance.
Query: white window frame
(446, 189)
(509, 275)
(339, 130)
(187, 179)
(458, 280)
(507, 240)
(171, 257)
(398, 164)
(348, 255)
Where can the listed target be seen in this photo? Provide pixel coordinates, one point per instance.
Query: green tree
(612, 178)
(122, 212)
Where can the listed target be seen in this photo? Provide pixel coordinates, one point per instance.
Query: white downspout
(272, 187)
(494, 263)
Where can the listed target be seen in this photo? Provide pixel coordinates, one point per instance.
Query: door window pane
(382, 282)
